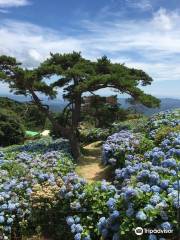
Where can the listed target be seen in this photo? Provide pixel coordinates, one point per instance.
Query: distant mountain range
(166, 104)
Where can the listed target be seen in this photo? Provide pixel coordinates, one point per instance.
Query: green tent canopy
(32, 134)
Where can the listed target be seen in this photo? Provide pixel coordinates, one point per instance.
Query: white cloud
(13, 3)
(143, 5)
(35, 55)
(31, 44)
(165, 20)
(145, 35)
(152, 44)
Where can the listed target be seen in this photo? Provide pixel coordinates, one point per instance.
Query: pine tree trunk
(70, 133)
(74, 140)
(75, 146)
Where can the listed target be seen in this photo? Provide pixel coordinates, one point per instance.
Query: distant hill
(166, 104)
(55, 105)
(11, 104)
(58, 105)
(29, 115)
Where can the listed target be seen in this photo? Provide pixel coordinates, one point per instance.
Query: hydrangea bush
(145, 191)
(42, 145)
(39, 189)
(149, 188)
(118, 145)
(164, 120)
(21, 169)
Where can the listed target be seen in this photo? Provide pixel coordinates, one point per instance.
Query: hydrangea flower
(70, 221)
(111, 203)
(152, 237)
(140, 215)
(77, 236)
(166, 226)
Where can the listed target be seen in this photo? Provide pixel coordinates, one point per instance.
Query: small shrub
(145, 145)
(164, 131)
(94, 134)
(137, 125)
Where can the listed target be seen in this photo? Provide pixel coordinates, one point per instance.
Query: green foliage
(11, 129)
(29, 114)
(33, 118)
(61, 117)
(89, 135)
(163, 131)
(145, 145)
(14, 169)
(137, 125)
(102, 113)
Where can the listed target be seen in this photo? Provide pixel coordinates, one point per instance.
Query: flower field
(41, 194)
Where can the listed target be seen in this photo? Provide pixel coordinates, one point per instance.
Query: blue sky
(143, 34)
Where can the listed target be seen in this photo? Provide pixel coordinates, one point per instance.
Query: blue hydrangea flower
(10, 220)
(111, 203)
(73, 228)
(155, 199)
(78, 228)
(166, 226)
(129, 211)
(155, 188)
(87, 237)
(169, 163)
(164, 215)
(140, 215)
(77, 236)
(152, 237)
(115, 214)
(145, 188)
(154, 178)
(164, 184)
(148, 207)
(70, 221)
(102, 223)
(130, 192)
(2, 219)
(77, 219)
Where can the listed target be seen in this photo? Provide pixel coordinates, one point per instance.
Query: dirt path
(90, 167)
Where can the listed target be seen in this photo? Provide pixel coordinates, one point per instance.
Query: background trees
(28, 113)
(11, 129)
(76, 76)
(101, 112)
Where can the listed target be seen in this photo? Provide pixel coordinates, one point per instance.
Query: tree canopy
(76, 76)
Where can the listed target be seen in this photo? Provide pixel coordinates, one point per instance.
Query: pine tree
(76, 76)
